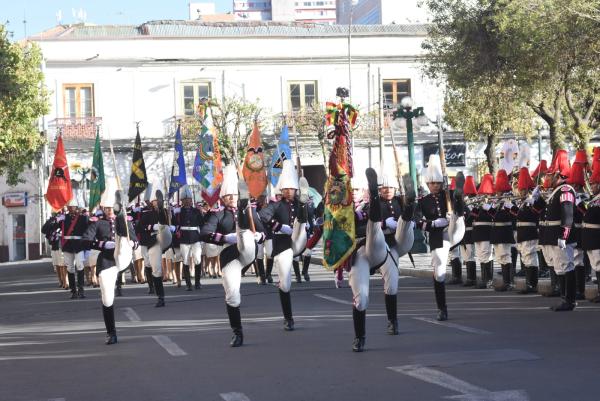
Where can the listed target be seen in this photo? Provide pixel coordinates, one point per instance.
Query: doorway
(19, 238)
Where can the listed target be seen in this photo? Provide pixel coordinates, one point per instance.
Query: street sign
(14, 199)
(455, 153)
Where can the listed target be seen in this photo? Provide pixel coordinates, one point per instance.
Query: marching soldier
(577, 181)
(502, 236)
(590, 231)
(188, 221)
(482, 233)
(52, 234)
(231, 228)
(287, 219)
(467, 247)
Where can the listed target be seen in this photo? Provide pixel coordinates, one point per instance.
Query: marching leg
(235, 321)
(149, 279)
(187, 277)
(296, 265)
(80, 283)
(359, 320)
(197, 275)
(260, 266)
(72, 285)
(160, 291)
(580, 282)
(286, 306)
(471, 274)
(456, 271)
(567, 281)
(391, 309)
(305, 264)
(440, 299)
(269, 270)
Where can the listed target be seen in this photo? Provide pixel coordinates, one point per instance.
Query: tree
(23, 100)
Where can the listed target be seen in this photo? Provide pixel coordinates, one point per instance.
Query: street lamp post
(406, 113)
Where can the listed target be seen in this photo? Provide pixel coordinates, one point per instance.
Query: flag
(282, 153)
(138, 181)
(254, 164)
(207, 167)
(339, 227)
(178, 177)
(97, 184)
(59, 191)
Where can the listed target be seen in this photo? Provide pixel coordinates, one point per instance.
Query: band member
(482, 232)
(559, 223)
(274, 196)
(231, 228)
(590, 231)
(445, 229)
(153, 229)
(52, 233)
(101, 235)
(467, 247)
(287, 219)
(138, 258)
(188, 222)
(502, 236)
(455, 260)
(577, 181)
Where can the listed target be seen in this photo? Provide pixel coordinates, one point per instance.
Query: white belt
(577, 225)
(550, 223)
(72, 237)
(502, 224)
(184, 228)
(525, 224)
(468, 228)
(590, 225)
(482, 223)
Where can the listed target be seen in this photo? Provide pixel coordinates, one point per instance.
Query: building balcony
(76, 128)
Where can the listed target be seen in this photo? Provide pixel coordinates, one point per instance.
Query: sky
(42, 14)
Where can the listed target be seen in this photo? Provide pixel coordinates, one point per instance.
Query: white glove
(562, 244)
(285, 229)
(529, 201)
(60, 217)
(230, 238)
(258, 236)
(137, 209)
(172, 228)
(508, 204)
(486, 206)
(109, 245)
(536, 193)
(155, 227)
(176, 210)
(440, 222)
(391, 223)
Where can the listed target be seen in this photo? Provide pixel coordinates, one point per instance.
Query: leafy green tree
(23, 100)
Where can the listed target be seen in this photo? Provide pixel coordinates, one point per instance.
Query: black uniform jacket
(431, 207)
(52, 233)
(590, 231)
(527, 222)
(482, 225)
(558, 222)
(390, 208)
(150, 217)
(502, 230)
(470, 215)
(276, 214)
(188, 223)
(101, 230)
(72, 228)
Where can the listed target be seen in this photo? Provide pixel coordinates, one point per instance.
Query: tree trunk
(490, 152)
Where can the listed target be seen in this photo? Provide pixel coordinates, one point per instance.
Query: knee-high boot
(506, 284)
(531, 280)
(391, 309)
(567, 281)
(596, 299)
(305, 265)
(80, 283)
(440, 299)
(554, 289)
(374, 204)
(471, 274)
(579, 282)
(456, 271)
(187, 277)
(514, 257)
(235, 321)
(296, 266)
(359, 320)
(286, 307)
(484, 276)
(149, 279)
(108, 313)
(119, 285)
(160, 291)
(260, 266)
(269, 270)
(72, 285)
(490, 274)
(197, 274)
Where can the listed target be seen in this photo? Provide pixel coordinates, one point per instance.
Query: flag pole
(119, 186)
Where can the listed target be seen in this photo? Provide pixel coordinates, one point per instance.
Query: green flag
(97, 184)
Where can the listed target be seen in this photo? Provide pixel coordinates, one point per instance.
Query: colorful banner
(283, 152)
(207, 166)
(254, 165)
(178, 175)
(138, 180)
(97, 183)
(59, 191)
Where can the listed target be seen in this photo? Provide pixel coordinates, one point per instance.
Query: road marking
(63, 356)
(454, 358)
(234, 397)
(467, 391)
(460, 327)
(169, 345)
(332, 299)
(131, 315)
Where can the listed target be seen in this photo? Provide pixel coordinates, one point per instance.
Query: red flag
(254, 165)
(59, 191)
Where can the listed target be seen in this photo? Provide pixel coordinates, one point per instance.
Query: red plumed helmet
(560, 164)
(595, 178)
(452, 184)
(580, 166)
(540, 169)
(487, 185)
(525, 181)
(502, 184)
(469, 188)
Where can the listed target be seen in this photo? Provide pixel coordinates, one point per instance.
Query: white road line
(460, 327)
(467, 390)
(131, 315)
(169, 345)
(234, 397)
(56, 399)
(332, 299)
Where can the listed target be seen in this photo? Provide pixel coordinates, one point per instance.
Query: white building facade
(319, 11)
(381, 12)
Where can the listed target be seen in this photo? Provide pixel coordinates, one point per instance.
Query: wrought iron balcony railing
(77, 127)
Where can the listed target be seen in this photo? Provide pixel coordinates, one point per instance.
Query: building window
(303, 94)
(394, 90)
(78, 100)
(192, 93)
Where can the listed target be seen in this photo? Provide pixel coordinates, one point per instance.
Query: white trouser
(548, 252)
(502, 253)
(73, 261)
(268, 248)
(360, 274)
(528, 251)
(563, 259)
(439, 258)
(107, 280)
(260, 253)
(594, 256)
(193, 251)
(153, 259)
(455, 252)
(578, 257)
(467, 252)
(232, 279)
(283, 265)
(483, 251)
(298, 238)
(376, 247)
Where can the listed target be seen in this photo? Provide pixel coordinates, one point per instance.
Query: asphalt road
(496, 346)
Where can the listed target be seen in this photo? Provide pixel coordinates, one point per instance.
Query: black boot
(579, 282)
(359, 319)
(245, 269)
(440, 300)
(374, 204)
(305, 265)
(490, 274)
(286, 306)
(80, 284)
(531, 280)
(514, 257)
(269, 270)
(296, 266)
(149, 279)
(160, 291)
(187, 277)
(197, 274)
(554, 289)
(119, 285)
(72, 285)
(391, 309)
(484, 276)
(109, 321)
(471, 274)
(235, 321)
(456, 271)
(260, 266)
(568, 283)
(596, 299)
(506, 285)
